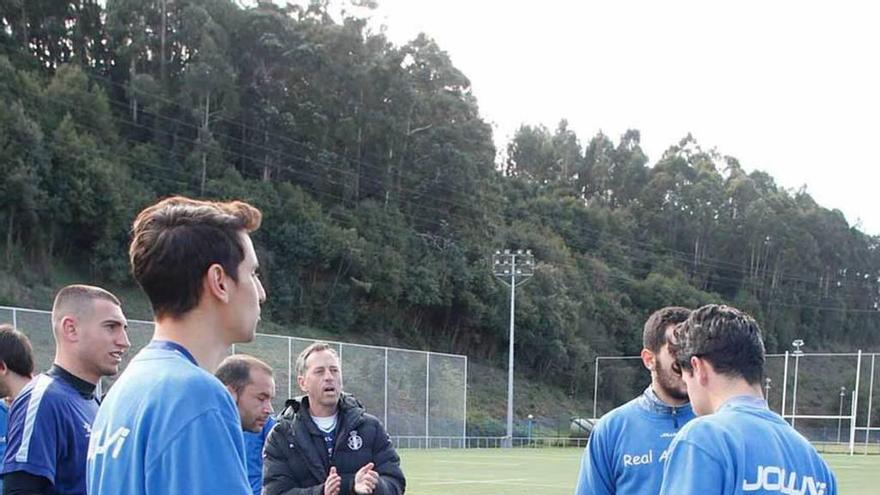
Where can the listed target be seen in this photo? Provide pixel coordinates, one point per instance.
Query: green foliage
(382, 200)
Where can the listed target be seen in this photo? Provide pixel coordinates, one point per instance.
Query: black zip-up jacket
(295, 460)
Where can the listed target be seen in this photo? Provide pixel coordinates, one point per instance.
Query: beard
(671, 383)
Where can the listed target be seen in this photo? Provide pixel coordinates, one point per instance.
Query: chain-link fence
(415, 393)
(830, 398)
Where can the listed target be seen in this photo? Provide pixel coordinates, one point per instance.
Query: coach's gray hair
(308, 351)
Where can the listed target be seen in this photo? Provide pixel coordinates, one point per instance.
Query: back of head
(16, 352)
(654, 333)
(235, 371)
(176, 240)
(727, 338)
(78, 300)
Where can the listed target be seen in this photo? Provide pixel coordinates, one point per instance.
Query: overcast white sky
(789, 87)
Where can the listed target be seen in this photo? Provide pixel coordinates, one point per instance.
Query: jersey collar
(173, 346)
(650, 402)
(85, 389)
(745, 401)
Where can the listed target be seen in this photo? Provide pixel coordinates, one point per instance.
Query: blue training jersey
(253, 449)
(167, 426)
(48, 433)
(744, 448)
(4, 418)
(628, 446)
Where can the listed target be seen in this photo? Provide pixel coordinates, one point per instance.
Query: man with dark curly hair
(738, 445)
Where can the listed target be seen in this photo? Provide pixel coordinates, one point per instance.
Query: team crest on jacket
(355, 442)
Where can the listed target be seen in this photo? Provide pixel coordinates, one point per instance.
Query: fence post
(15, 319)
(855, 405)
(427, 393)
(595, 386)
(870, 403)
(289, 368)
(784, 385)
(387, 428)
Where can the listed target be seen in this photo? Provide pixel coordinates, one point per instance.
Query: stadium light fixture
(513, 268)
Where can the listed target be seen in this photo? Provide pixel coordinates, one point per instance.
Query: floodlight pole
(840, 413)
(509, 266)
(797, 344)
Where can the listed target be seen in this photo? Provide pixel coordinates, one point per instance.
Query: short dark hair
(176, 240)
(73, 298)
(654, 334)
(235, 370)
(724, 336)
(16, 351)
(308, 351)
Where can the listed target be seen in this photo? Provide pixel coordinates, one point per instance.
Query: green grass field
(553, 472)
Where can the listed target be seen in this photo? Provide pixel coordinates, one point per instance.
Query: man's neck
(728, 388)
(199, 334)
(319, 411)
(666, 398)
(16, 382)
(76, 368)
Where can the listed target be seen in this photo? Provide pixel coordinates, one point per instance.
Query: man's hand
(365, 480)
(333, 482)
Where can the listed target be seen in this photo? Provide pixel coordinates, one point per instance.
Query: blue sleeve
(33, 443)
(205, 458)
(691, 470)
(596, 476)
(4, 416)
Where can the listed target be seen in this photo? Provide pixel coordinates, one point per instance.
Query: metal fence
(535, 442)
(416, 394)
(828, 397)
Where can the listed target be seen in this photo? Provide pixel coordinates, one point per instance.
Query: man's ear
(648, 359)
(67, 329)
(216, 283)
(701, 369)
(301, 381)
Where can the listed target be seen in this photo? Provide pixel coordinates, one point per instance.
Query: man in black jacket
(324, 443)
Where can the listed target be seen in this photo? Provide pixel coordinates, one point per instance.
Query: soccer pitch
(554, 472)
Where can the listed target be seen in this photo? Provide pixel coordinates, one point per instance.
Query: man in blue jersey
(628, 446)
(50, 421)
(325, 443)
(252, 386)
(168, 425)
(16, 370)
(737, 445)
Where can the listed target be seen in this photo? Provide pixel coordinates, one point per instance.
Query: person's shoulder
(373, 421)
(43, 393)
(163, 385)
(703, 427)
(168, 372)
(621, 413)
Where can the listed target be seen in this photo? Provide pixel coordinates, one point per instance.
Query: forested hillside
(383, 194)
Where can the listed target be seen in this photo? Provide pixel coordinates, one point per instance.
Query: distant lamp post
(767, 390)
(797, 344)
(513, 268)
(532, 418)
(840, 412)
